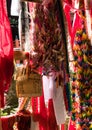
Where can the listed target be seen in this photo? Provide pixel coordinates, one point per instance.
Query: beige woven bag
(28, 83)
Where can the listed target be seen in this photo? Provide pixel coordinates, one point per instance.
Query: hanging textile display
(6, 51)
(66, 70)
(52, 123)
(54, 91)
(88, 9)
(47, 51)
(81, 78)
(72, 22)
(81, 84)
(47, 119)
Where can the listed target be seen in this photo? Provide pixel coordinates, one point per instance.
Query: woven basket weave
(28, 85)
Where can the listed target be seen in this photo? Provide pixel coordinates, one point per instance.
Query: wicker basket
(28, 85)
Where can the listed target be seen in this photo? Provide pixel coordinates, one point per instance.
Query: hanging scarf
(81, 90)
(6, 50)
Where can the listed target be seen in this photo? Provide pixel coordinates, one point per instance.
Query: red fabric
(68, 1)
(71, 126)
(11, 121)
(1, 96)
(51, 116)
(35, 105)
(72, 27)
(45, 116)
(8, 122)
(6, 49)
(24, 120)
(47, 120)
(5, 123)
(62, 127)
(76, 24)
(67, 9)
(43, 121)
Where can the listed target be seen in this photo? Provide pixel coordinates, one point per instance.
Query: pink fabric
(6, 50)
